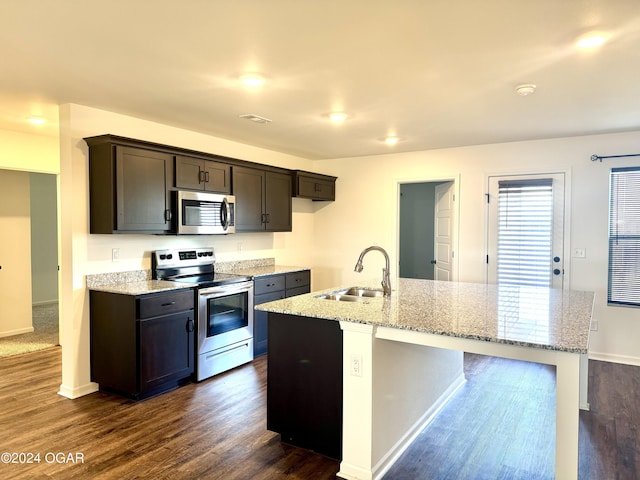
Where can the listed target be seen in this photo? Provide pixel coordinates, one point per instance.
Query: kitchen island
(391, 344)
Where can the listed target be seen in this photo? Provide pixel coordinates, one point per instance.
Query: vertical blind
(624, 237)
(525, 232)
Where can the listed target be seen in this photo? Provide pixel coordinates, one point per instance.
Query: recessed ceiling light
(255, 118)
(252, 80)
(591, 41)
(36, 120)
(525, 90)
(337, 117)
(391, 140)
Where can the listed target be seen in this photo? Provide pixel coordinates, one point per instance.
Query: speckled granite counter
(139, 282)
(139, 288)
(263, 271)
(525, 316)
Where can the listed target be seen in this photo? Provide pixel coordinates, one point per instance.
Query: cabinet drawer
(292, 292)
(165, 303)
(268, 297)
(268, 284)
(298, 279)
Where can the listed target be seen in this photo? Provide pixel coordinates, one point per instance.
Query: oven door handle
(224, 290)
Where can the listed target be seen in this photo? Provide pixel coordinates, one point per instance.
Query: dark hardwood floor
(499, 426)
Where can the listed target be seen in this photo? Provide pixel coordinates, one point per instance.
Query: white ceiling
(437, 73)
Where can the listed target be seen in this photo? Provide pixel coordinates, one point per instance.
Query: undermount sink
(341, 298)
(364, 292)
(353, 294)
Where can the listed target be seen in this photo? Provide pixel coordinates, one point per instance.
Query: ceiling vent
(255, 118)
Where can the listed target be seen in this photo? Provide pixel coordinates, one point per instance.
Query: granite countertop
(141, 287)
(526, 316)
(263, 271)
(139, 282)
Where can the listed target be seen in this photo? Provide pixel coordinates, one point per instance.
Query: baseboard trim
(44, 302)
(77, 392)
(18, 331)
(609, 357)
(387, 461)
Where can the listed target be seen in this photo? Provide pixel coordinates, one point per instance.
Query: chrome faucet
(386, 281)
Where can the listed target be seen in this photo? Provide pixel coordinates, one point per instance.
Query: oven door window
(227, 313)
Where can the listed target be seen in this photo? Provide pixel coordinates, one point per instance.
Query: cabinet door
(143, 178)
(315, 188)
(166, 349)
(261, 322)
(189, 173)
(304, 391)
(248, 188)
(217, 177)
(278, 202)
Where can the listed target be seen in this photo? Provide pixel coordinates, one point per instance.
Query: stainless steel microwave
(202, 213)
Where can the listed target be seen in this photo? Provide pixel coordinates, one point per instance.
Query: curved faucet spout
(386, 280)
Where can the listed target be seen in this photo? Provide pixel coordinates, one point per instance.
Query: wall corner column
(357, 401)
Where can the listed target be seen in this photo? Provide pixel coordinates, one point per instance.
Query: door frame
(456, 220)
(566, 248)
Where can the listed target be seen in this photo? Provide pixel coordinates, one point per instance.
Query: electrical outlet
(579, 252)
(356, 365)
(115, 254)
(594, 325)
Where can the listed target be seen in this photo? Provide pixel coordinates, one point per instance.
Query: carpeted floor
(45, 334)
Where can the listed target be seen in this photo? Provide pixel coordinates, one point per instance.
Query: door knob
(556, 271)
(433, 262)
(556, 259)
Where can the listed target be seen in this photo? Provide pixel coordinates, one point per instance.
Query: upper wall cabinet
(263, 200)
(314, 186)
(129, 189)
(198, 174)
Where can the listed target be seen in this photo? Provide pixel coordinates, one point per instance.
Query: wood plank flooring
(498, 427)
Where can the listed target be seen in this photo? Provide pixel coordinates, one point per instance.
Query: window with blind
(624, 237)
(525, 232)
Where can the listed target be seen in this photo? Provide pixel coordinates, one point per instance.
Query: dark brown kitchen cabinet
(199, 174)
(314, 186)
(270, 288)
(129, 189)
(142, 345)
(263, 200)
(304, 388)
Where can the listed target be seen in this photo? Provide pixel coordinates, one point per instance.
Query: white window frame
(624, 228)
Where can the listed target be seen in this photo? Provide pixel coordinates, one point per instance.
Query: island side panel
(392, 390)
(304, 382)
(411, 383)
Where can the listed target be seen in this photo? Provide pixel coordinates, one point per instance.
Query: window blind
(525, 232)
(624, 237)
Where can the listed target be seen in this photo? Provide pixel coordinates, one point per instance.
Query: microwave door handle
(224, 214)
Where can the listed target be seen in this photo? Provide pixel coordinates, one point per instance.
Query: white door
(443, 232)
(15, 254)
(526, 230)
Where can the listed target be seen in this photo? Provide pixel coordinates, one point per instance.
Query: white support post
(357, 427)
(567, 415)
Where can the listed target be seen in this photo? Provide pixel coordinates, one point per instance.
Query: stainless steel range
(224, 303)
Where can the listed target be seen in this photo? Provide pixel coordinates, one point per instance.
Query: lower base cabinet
(270, 288)
(304, 386)
(142, 345)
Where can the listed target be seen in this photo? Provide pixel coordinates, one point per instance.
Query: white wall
(366, 212)
(15, 254)
(84, 254)
(44, 238)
